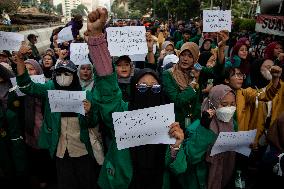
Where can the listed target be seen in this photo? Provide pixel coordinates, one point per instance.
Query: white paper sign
(144, 126)
(65, 35)
(11, 41)
(66, 101)
(34, 78)
(234, 141)
(79, 53)
(138, 57)
(128, 40)
(216, 20)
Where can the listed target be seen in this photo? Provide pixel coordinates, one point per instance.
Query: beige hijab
(182, 77)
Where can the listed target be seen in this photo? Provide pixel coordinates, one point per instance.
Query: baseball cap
(170, 58)
(3, 53)
(66, 65)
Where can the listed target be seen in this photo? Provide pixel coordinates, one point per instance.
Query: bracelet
(173, 148)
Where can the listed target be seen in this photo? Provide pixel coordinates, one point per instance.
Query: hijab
(36, 66)
(182, 77)
(221, 166)
(147, 99)
(89, 84)
(147, 160)
(33, 113)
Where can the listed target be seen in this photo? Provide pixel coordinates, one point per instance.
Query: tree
(59, 9)
(80, 9)
(118, 10)
(136, 14)
(144, 6)
(9, 5)
(45, 6)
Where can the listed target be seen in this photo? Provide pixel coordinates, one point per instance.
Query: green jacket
(194, 39)
(117, 169)
(13, 157)
(190, 166)
(50, 130)
(186, 102)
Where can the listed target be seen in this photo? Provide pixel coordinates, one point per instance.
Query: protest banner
(144, 126)
(66, 101)
(270, 24)
(128, 40)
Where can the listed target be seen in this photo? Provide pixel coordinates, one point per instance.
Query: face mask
(64, 80)
(225, 114)
(266, 74)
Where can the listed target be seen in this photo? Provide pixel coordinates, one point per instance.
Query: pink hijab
(221, 166)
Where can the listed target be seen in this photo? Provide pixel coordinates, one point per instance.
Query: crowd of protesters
(218, 82)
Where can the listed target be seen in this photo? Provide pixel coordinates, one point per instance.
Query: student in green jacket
(13, 160)
(199, 170)
(125, 71)
(187, 37)
(181, 84)
(65, 134)
(138, 167)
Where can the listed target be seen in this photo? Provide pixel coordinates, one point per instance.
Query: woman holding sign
(137, 167)
(65, 134)
(197, 170)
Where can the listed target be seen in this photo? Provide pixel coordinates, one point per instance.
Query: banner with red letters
(270, 24)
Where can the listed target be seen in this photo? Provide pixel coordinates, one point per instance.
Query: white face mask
(266, 74)
(225, 114)
(64, 80)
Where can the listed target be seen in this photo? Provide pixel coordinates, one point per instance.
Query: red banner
(270, 24)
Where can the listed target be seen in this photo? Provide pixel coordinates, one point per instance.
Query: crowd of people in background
(218, 82)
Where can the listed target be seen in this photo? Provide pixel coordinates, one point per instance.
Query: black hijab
(144, 100)
(204, 57)
(74, 86)
(147, 160)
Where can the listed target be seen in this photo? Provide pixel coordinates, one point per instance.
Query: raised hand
(96, 22)
(222, 37)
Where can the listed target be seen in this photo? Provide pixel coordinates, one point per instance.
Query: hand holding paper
(145, 126)
(67, 101)
(234, 141)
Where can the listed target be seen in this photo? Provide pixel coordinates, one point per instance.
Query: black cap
(66, 65)
(123, 57)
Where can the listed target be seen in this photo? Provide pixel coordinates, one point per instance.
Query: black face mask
(145, 100)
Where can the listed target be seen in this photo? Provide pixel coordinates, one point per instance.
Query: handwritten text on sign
(67, 101)
(216, 20)
(128, 40)
(234, 141)
(11, 41)
(145, 126)
(79, 53)
(34, 78)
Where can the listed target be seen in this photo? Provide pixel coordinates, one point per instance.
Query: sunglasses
(142, 88)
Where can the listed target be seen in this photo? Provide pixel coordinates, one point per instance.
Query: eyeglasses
(142, 88)
(239, 76)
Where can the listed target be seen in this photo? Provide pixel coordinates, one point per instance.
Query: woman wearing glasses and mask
(138, 167)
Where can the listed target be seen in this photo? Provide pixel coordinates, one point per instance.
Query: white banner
(144, 126)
